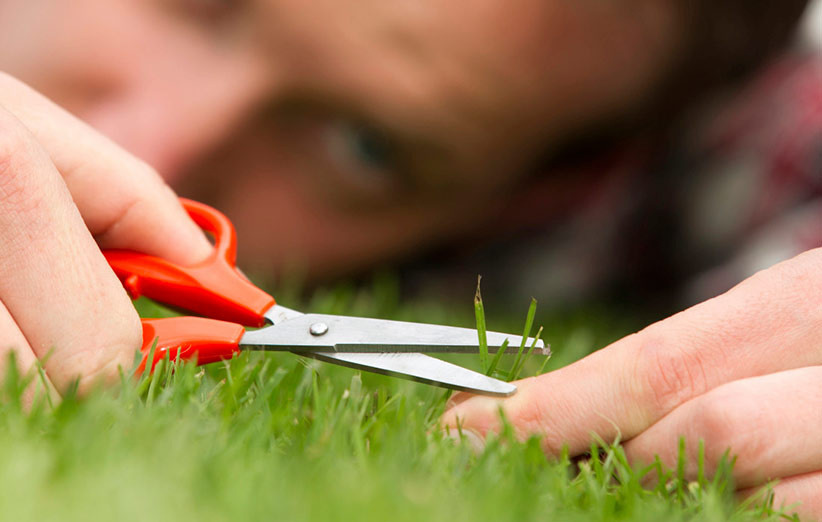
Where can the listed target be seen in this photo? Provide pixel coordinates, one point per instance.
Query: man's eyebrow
(313, 103)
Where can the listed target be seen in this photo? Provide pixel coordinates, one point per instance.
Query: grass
(278, 437)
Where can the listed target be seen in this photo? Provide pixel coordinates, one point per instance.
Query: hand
(63, 186)
(742, 371)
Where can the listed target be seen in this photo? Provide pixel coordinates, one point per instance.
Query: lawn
(279, 437)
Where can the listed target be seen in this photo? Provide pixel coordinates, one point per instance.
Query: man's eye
(363, 155)
(359, 144)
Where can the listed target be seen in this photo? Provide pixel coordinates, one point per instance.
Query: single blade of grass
(516, 371)
(680, 470)
(700, 463)
(44, 385)
(12, 387)
(479, 315)
(529, 323)
(497, 357)
(154, 380)
(149, 360)
(543, 365)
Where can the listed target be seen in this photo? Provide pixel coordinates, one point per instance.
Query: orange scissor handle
(209, 340)
(213, 287)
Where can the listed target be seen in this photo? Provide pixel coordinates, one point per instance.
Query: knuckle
(786, 300)
(531, 415)
(528, 417)
(668, 373)
(726, 421)
(711, 425)
(100, 358)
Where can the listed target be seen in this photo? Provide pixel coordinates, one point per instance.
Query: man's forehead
(486, 76)
(408, 58)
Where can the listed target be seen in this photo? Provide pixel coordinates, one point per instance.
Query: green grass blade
(529, 323)
(543, 365)
(518, 370)
(681, 459)
(479, 315)
(497, 357)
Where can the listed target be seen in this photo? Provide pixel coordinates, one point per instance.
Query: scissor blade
(421, 368)
(334, 333)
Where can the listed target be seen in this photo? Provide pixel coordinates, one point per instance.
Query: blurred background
(736, 190)
(650, 154)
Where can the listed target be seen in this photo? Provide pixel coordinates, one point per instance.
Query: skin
(340, 134)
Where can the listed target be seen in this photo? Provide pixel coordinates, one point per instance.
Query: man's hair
(726, 41)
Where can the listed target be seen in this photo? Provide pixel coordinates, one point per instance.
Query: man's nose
(171, 114)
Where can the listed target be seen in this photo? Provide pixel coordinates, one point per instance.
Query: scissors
(228, 303)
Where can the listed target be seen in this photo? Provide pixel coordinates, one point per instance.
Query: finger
(771, 425)
(53, 278)
(770, 322)
(457, 398)
(13, 340)
(124, 202)
(800, 495)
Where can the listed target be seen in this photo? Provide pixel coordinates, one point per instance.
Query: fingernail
(472, 438)
(457, 399)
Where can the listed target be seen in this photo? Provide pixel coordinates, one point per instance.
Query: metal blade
(333, 333)
(421, 368)
(414, 366)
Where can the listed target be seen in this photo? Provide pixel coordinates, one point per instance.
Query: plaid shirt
(742, 191)
(757, 199)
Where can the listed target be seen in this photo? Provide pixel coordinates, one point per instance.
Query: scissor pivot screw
(318, 329)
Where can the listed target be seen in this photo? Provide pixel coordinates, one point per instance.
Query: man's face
(339, 133)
